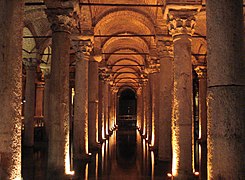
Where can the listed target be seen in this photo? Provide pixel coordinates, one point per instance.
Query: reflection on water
(125, 155)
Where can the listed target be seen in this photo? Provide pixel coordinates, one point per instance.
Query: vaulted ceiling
(125, 32)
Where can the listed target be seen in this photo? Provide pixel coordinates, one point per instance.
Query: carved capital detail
(104, 74)
(165, 49)
(83, 48)
(201, 72)
(62, 20)
(181, 22)
(153, 65)
(114, 89)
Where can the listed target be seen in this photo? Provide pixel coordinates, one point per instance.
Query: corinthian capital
(165, 48)
(62, 19)
(181, 22)
(83, 47)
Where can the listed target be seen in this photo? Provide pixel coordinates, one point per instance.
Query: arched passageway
(127, 109)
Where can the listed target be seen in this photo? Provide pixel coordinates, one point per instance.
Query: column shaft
(10, 87)
(165, 112)
(39, 99)
(101, 110)
(182, 108)
(144, 122)
(148, 110)
(29, 108)
(203, 125)
(226, 90)
(93, 103)
(46, 105)
(155, 110)
(59, 105)
(106, 120)
(111, 108)
(139, 108)
(80, 136)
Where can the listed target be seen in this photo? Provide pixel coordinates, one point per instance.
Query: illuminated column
(58, 152)
(226, 90)
(101, 109)
(114, 91)
(165, 53)
(202, 78)
(10, 88)
(93, 92)
(139, 107)
(106, 108)
(83, 46)
(181, 26)
(110, 108)
(155, 110)
(29, 108)
(102, 102)
(46, 72)
(148, 109)
(144, 122)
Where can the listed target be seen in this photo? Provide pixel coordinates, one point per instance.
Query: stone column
(106, 109)
(148, 109)
(202, 92)
(154, 109)
(83, 46)
(101, 110)
(113, 107)
(93, 90)
(29, 108)
(181, 26)
(46, 72)
(10, 87)
(110, 109)
(165, 54)
(58, 152)
(102, 103)
(39, 99)
(139, 107)
(144, 122)
(226, 90)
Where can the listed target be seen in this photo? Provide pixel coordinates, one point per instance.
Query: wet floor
(125, 155)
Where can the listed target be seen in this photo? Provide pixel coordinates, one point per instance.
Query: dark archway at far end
(127, 109)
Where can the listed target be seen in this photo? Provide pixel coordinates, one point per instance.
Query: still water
(125, 155)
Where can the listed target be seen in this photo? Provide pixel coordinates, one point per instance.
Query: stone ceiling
(125, 35)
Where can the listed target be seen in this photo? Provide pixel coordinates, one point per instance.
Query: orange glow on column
(209, 139)
(152, 165)
(175, 135)
(67, 149)
(153, 128)
(16, 150)
(97, 122)
(153, 134)
(86, 172)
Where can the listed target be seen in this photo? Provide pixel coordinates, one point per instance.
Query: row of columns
(219, 134)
